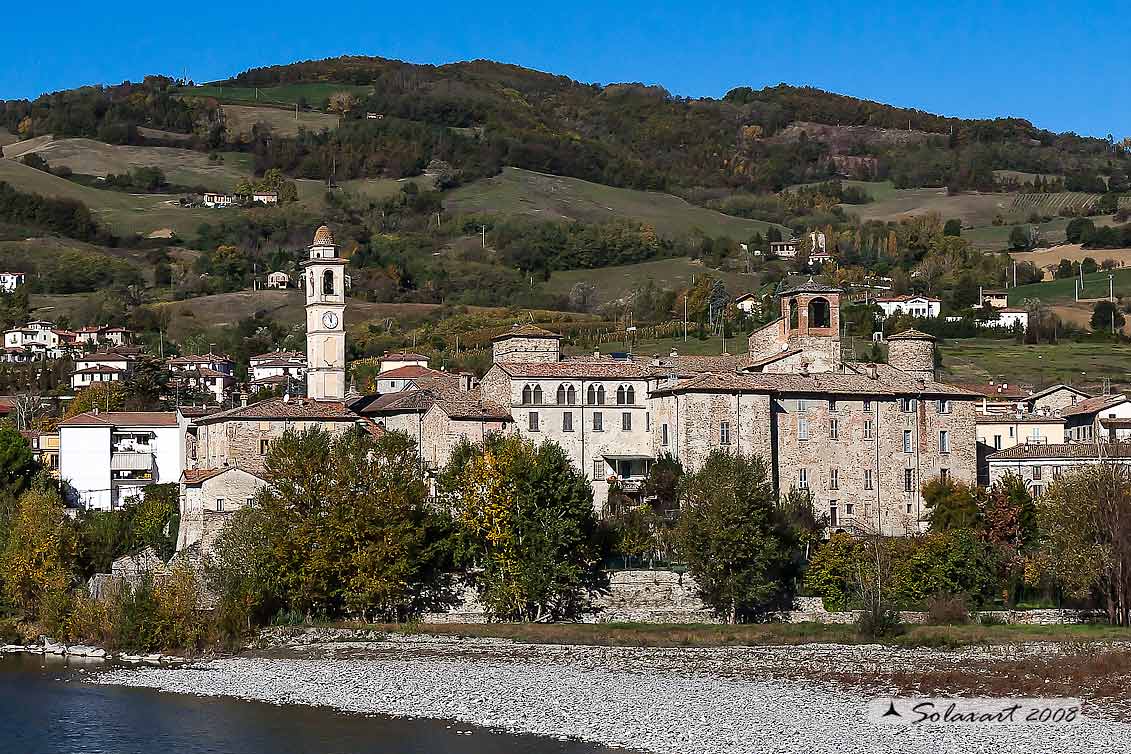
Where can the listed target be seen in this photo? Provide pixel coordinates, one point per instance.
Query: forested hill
(479, 116)
(631, 134)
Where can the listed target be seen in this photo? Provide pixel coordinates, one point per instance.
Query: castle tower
(325, 284)
(913, 352)
(809, 327)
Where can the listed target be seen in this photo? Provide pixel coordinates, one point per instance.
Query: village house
(220, 200)
(9, 281)
(784, 249)
(278, 369)
(993, 299)
(1103, 418)
(208, 497)
(278, 280)
(268, 198)
(750, 303)
(1038, 465)
(38, 340)
(45, 450)
(211, 373)
(103, 366)
(914, 305)
(107, 458)
(97, 335)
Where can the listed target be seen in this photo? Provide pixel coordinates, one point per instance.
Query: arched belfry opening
(794, 317)
(820, 313)
(328, 283)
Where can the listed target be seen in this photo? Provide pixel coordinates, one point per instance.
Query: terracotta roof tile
(298, 409)
(1068, 450)
(470, 405)
(1092, 405)
(526, 331)
(911, 334)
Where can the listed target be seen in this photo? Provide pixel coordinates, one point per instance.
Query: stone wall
(526, 350)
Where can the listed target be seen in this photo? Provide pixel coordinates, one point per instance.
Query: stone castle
(861, 438)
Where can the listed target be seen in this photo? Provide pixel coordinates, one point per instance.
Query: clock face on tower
(330, 320)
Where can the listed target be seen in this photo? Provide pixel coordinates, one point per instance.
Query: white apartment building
(93, 368)
(39, 339)
(915, 305)
(9, 281)
(108, 458)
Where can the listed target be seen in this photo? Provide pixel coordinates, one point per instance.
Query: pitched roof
(470, 405)
(408, 372)
(1092, 405)
(994, 390)
(99, 369)
(104, 356)
(121, 419)
(811, 286)
(273, 355)
(1059, 386)
(297, 409)
(526, 331)
(1011, 418)
(604, 369)
(905, 297)
(395, 403)
(197, 476)
(1067, 450)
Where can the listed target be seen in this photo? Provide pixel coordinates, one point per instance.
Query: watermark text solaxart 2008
(974, 711)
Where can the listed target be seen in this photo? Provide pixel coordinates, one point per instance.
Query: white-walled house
(279, 280)
(275, 369)
(9, 281)
(109, 457)
(751, 303)
(39, 339)
(391, 361)
(98, 335)
(92, 368)
(915, 305)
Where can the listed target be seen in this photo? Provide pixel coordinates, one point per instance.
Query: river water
(49, 706)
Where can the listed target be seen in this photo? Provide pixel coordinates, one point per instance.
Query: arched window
(793, 320)
(571, 395)
(600, 395)
(620, 396)
(596, 395)
(630, 395)
(591, 395)
(527, 395)
(819, 313)
(561, 395)
(328, 282)
(537, 395)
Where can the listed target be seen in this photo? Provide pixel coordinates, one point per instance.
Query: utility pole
(483, 236)
(1014, 273)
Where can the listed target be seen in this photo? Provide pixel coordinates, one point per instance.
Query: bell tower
(324, 279)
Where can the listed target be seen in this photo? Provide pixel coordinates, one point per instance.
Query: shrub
(947, 610)
(881, 623)
(991, 619)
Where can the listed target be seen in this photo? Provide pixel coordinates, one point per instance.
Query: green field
(182, 167)
(287, 94)
(549, 197)
(1063, 290)
(676, 273)
(1082, 364)
(123, 213)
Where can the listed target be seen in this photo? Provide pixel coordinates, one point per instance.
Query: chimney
(243, 400)
(673, 354)
(466, 381)
(872, 371)
(597, 354)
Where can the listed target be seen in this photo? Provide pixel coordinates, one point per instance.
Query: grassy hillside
(550, 197)
(1063, 291)
(183, 167)
(614, 282)
(287, 94)
(1082, 364)
(123, 213)
(239, 120)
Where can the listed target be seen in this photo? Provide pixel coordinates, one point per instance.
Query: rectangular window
(724, 433)
(219, 503)
(802, 404)
(1011, 431)
(909, 480)
(907, 405)
(598, 470)
(834, 479)
(567, 421)
(264, 446)
(997, 442)
(598, 422)
(647, 421)
(909, 507)
(849, 510)
(834, 428)
(1038, 490)
(626, 421)
(868, 479)
(250, 502)
(943, 406)
(907, 441)
(867, 405)
(1037, 473)
(867, 429)
(833, 520)
(532, 418)
(664, 434)
(944, 474)
(944, 441)
(803, 479)
(802, 428)
(832, 404)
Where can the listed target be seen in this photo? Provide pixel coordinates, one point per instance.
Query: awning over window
(131, 462)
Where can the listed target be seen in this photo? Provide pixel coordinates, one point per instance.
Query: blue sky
(1063, 65)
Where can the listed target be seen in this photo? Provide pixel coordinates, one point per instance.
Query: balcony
(131, 467)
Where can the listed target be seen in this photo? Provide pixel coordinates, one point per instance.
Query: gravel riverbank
(685, 701)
